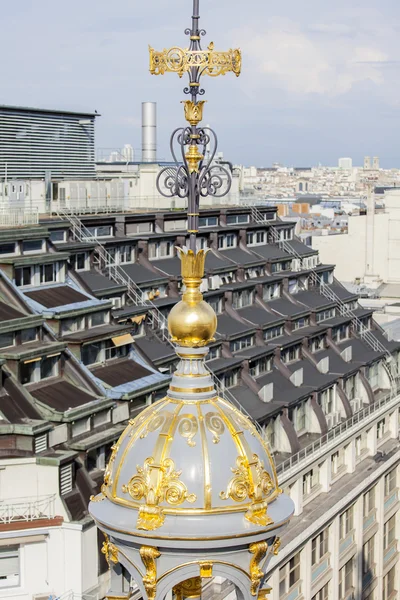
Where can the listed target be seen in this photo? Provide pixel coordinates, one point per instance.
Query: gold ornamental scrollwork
(215, 425)
(109, 468)
(259, 551)
(190, 588)
(155, 423)
(276, 546)
(181, 60)
(252, 481)
(149, 555)
(110, 551)
(156, 483)
(188, 428)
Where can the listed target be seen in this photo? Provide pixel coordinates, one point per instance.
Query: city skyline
(318, 84)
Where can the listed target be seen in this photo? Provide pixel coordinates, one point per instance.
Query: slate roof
(224, 364)
(250, 401)
(271, 252)
(286, 308)
(102, 331)
(62, 396)
(18, 408)
(121, 371)
(259, 316)
(142, 275)
(218, 263)
(97, 282)
(7, 312)
(241, 257)
(229, 326)
(284, 391)
(169, 266)
(314, 300)
(336, 363)
(59, 295)
(301, 248)
(154, 349)
(311, 376)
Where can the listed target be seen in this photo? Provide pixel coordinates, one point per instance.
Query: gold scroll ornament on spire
(192, 323)
(181, 60)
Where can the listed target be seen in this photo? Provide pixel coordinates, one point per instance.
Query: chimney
(149, 132)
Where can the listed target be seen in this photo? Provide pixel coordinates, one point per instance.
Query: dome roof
(183, 457)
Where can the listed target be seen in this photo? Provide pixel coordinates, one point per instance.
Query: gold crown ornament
(192, 323)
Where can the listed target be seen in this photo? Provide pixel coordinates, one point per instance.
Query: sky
(320, 79)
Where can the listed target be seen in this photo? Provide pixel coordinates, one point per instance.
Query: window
(48, 273)
(98, 318)
(243, 298)
(242, 343)
(216, 304)
(91, 353)
(300, 323)
(319, 546)
(101, 231)
(254, 238)
(176, 224)
(369, 502)
(214, 353)
(350, 387)
(326, 400)
(291, 354)
(289, 575)
(208, 221)
(79, 261)
(73, 324)
(230, 379)
(7, 248)
(360, 444)
(113, 351)
(227, 241)
(285, 234)
(58, 235)
(23, 276)
(380, 429)
(323, 593)
(346, 522)
(389, 532)
(263, 365)
(126, 254)
(6, 339)
(237, 219)
(337, 461)
(134, 228)
(160, 250)
(368, 557)
(317, 343)
(28, 335)
(390, 482)
(346, 579)
(340, 333)
(271, 291)
(389, 584)
(310, 481)
(325, 314)
(372, 374)
(49, 367)
(9, 566)
(273, 332)
(29, 246)
(300, 412)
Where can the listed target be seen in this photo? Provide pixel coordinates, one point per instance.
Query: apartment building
(83, 348)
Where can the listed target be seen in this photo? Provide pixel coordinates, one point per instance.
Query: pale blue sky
(320, 78)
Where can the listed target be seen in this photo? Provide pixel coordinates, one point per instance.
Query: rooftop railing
(18, 217)
(14, 510)
(321, 446)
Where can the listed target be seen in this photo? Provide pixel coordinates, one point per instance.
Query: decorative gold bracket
(110, 551)
(259, 551)
(181, 60)
(149, 555)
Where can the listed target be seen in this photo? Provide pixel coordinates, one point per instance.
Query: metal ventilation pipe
(149, 132)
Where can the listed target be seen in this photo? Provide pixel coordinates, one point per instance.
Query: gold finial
(193, 157)
(192, 322)
(193, 111)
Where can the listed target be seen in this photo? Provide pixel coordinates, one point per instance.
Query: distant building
(375, 162)
(367, 162)
(345, 163)
(35, 141)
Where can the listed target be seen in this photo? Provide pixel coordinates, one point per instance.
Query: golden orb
(192, 324)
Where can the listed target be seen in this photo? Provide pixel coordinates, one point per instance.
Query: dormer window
(126, 254)
(242, 298)
(39, 368)
(227, 241)
(271, 291)
(261, 366)
(32, 246)
(214, 353)
(325, 314)
(285, 234)
(80, 261)
(242, 343)
(8, 249)
(100, 231)
(216, 304)
(231, 378)
(317, 343)
(237, 219)
(290, 354)
(7, 339)
(160, 250)
(208, 221)
(58, 236)
(300, 323)
(273, 332)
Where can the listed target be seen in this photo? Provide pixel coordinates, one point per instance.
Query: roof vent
(297, 377)
(266, 394)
